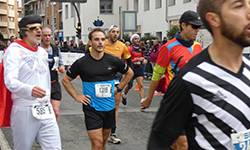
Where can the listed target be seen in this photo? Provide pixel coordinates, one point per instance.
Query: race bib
(103, 90)
(56, 64)
(137, 62)
(42, 111)
(241, 140)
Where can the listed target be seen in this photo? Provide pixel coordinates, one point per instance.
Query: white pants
(25, 128)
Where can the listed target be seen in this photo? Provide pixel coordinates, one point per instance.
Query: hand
(146, 102)
(141, 58)
(61, 69)
(144, 61)
(83, 99)
(38, 92)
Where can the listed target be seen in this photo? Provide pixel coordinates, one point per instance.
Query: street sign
(70, 1)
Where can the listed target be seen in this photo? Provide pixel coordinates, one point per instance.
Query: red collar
(21, 42)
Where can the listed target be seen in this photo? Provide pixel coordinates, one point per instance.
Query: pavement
(133, 125)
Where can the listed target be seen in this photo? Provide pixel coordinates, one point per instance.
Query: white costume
(25, 68)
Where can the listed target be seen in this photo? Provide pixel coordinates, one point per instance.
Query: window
(47, 20)
(11, 7)
(157, 4)
(106, 6)
(1, 18)
(54, 19)
(146, 5)
(11, 19)
(171, 2)
(72, 10)
(136, 5)
(185, 1)
(66, 12)
(0, 5)
(11, 31)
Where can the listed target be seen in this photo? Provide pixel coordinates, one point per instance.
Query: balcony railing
(29, 12)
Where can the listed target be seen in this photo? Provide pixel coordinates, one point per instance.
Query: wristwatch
(118, 89)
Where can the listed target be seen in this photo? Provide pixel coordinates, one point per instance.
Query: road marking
(3, 142)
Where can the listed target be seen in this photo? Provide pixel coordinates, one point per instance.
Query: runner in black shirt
(97, 71)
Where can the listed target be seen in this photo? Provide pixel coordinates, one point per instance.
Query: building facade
(44, 9)
(9, 18)
(154, 17)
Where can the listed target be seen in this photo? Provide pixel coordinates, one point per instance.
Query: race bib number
(137, 62)
(103, 90)
(241, 140)
(42, 111)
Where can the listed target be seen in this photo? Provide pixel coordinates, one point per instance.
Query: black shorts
(98, 119)
(56, 93)
(137, 73)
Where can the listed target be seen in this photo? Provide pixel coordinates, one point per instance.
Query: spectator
(8, 43)
(2, 47)
(58, 45)
(75, 46)
(65, 47)
(154, 53)
(81, 46)
(12, 38)
(165, 40)
(1, 37)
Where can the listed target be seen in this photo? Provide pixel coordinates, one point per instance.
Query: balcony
(40, 12)
(3, 24)
(3, 1)
(11, 25)
(27, 2)
(60, 25)
(29, 12)
(3, 11)
(11, 13)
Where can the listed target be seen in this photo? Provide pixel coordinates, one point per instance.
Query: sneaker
(37, 142)
(113, 139)
(124, 100)
(142, 108)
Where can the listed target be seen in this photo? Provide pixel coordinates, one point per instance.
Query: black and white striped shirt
(206, 100)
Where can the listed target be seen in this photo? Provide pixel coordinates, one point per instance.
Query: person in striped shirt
(209, 98)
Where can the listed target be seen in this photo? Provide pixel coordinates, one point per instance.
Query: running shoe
(124, 100)
(142, 108)
(113, 139)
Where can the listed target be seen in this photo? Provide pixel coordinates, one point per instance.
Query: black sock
(113, 130)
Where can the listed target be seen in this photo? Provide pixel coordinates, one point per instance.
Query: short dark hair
(95, 30)
(206, 6)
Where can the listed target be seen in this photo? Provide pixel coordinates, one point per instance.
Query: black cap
(191, 17)
(29, 19)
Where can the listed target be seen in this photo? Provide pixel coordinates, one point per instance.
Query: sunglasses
(195, 26)
(32, 28)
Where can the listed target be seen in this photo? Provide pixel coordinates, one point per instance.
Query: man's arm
(125, 80)
(174, 112)
(158, 72)
(66, 81)
(129, 62)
